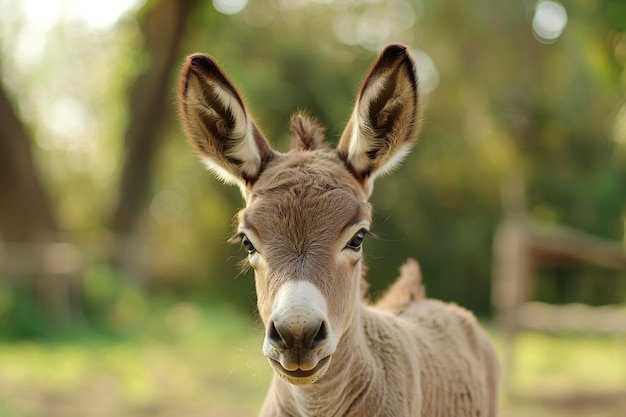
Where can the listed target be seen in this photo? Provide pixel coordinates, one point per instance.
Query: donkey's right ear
(385, 119)
(218, 125)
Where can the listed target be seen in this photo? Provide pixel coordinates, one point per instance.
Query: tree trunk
(28, 226)
(163, 28)
(26, 214)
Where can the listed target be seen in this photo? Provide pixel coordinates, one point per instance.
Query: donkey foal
(306, 216)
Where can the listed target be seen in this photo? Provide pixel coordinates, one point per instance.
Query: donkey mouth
(300, 375)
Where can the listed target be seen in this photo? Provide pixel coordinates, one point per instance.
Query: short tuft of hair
(306, 133)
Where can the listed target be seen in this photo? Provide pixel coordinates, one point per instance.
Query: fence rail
(522, 245)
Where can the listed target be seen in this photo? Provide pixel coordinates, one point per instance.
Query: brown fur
(302, 225)
(406, 289)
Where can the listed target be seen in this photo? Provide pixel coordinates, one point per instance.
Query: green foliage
(496, 101)
(19, 315)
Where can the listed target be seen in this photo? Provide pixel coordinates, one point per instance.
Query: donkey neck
(355, 384)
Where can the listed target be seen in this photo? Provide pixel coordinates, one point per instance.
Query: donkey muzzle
(298, 338)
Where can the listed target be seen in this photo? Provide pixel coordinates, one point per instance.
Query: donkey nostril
(318, 337)
(280, 340)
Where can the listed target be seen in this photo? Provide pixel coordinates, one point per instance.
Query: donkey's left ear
(386, 117)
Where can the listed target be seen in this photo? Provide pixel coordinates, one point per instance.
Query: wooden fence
(522, 245)
(51, 273)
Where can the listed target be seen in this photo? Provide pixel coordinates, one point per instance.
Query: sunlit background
(118, 292)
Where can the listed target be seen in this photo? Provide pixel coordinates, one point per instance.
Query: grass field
(196, 362)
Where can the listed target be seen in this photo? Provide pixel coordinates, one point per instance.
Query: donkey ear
(386, 117)
(218, 125)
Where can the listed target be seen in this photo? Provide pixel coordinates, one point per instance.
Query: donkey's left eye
(357, 240)
(245, 241)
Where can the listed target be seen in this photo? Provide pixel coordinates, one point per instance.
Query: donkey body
(305, 219)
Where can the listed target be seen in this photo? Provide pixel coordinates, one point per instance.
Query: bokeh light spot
(619, 128)
(101, 14)
(182, 319)
(549, 21)
(426, 71)
(167, 207)
(229, 6)
(375, 26)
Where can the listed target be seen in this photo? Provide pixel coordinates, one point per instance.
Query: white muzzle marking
(299, 340)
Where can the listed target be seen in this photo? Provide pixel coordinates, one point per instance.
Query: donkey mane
(306, 133)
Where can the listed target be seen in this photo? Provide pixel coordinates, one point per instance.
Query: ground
(194, 362)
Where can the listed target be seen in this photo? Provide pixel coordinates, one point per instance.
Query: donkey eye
(357, 240)
(248, 245)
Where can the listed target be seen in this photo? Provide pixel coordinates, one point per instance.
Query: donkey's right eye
(248, 245)
(357, 240)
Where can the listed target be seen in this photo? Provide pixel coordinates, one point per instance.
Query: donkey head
(306, 211)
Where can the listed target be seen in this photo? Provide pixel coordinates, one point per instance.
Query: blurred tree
(162, 27)
(27, 219)
(26, 214)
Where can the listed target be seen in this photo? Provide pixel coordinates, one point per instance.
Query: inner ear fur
(218, 124)
(386, 116)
